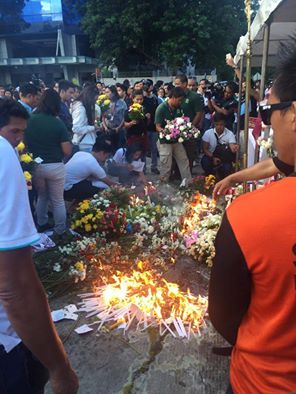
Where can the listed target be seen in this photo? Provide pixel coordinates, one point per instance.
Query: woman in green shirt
(47, 138)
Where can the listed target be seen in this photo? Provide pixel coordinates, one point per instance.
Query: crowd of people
(81, 148)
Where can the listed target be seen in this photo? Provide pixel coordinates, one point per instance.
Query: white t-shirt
(227, 137)
(17, 227)
(82, 166)
(120, 158)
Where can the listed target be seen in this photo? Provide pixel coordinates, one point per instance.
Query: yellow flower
(83, 206)
(88, 228)
(102, 97)
(79, 266)
(20, 147)
(106, 102)
(158, 208)
(28, 176)
(77, 223)
(99, 214)
(26, 158)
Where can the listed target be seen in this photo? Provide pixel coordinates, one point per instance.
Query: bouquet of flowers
(104, 102)
(178, 130)
(136, 112)
(27, 162)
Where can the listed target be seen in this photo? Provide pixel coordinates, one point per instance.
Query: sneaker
(155, 171)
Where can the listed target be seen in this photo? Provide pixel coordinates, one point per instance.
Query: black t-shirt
(228, 104)
(150, 104)
(139, 129)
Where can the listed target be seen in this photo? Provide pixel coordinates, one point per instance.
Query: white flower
(179, 121)
(182, 128)
(57, 267)
(168, 137)
(180, 139)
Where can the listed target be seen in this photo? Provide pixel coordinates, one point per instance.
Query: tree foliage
(164, 32)
(11, 20)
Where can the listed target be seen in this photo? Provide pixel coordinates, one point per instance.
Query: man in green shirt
(169, 110)
(193, 107)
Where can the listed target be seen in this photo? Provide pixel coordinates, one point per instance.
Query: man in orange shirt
(252, 295)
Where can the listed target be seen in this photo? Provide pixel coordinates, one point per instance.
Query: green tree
(11, 20)
(167, 31)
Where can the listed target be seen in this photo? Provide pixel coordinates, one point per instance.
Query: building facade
(48, 46)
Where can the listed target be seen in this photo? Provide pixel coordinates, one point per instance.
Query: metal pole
(241, 68)
(248, 86)
(264, 59)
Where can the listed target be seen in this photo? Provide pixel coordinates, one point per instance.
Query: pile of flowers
(178, 130)
(201, 222)
(103, 102)
(100, 216)
(136, 112)
(202, 184)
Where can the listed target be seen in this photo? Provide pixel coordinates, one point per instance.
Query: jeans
(50, 180)
(21, 372)
(153, 138)
(223, 170)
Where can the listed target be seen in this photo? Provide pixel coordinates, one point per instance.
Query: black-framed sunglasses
(266, 110)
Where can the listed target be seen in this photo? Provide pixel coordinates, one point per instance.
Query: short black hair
(284, 85)
(122, 87)
(102, 146)
(65, 85)
(137, 92)
(182, 78)
(132, 149)
(50, 103)
(219, 117)
(11, 108)
(176, 92)
(29, 88)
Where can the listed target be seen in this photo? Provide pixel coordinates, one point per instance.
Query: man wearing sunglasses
(253, 280)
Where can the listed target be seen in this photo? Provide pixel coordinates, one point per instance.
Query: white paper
(38, 160)
(70, 316)
(57, 315)
(83, 329)
(70, 308)
(138, 165)
(66, 313)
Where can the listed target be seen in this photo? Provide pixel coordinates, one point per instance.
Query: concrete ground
(143, 362)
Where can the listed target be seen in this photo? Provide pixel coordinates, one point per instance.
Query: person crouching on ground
(127, 165)
(219, 147)
(85, 175)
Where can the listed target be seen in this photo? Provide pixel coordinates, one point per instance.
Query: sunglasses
(266, 110)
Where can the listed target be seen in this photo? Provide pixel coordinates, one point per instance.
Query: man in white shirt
(84, 174)
(30, 349)
(219, 146)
